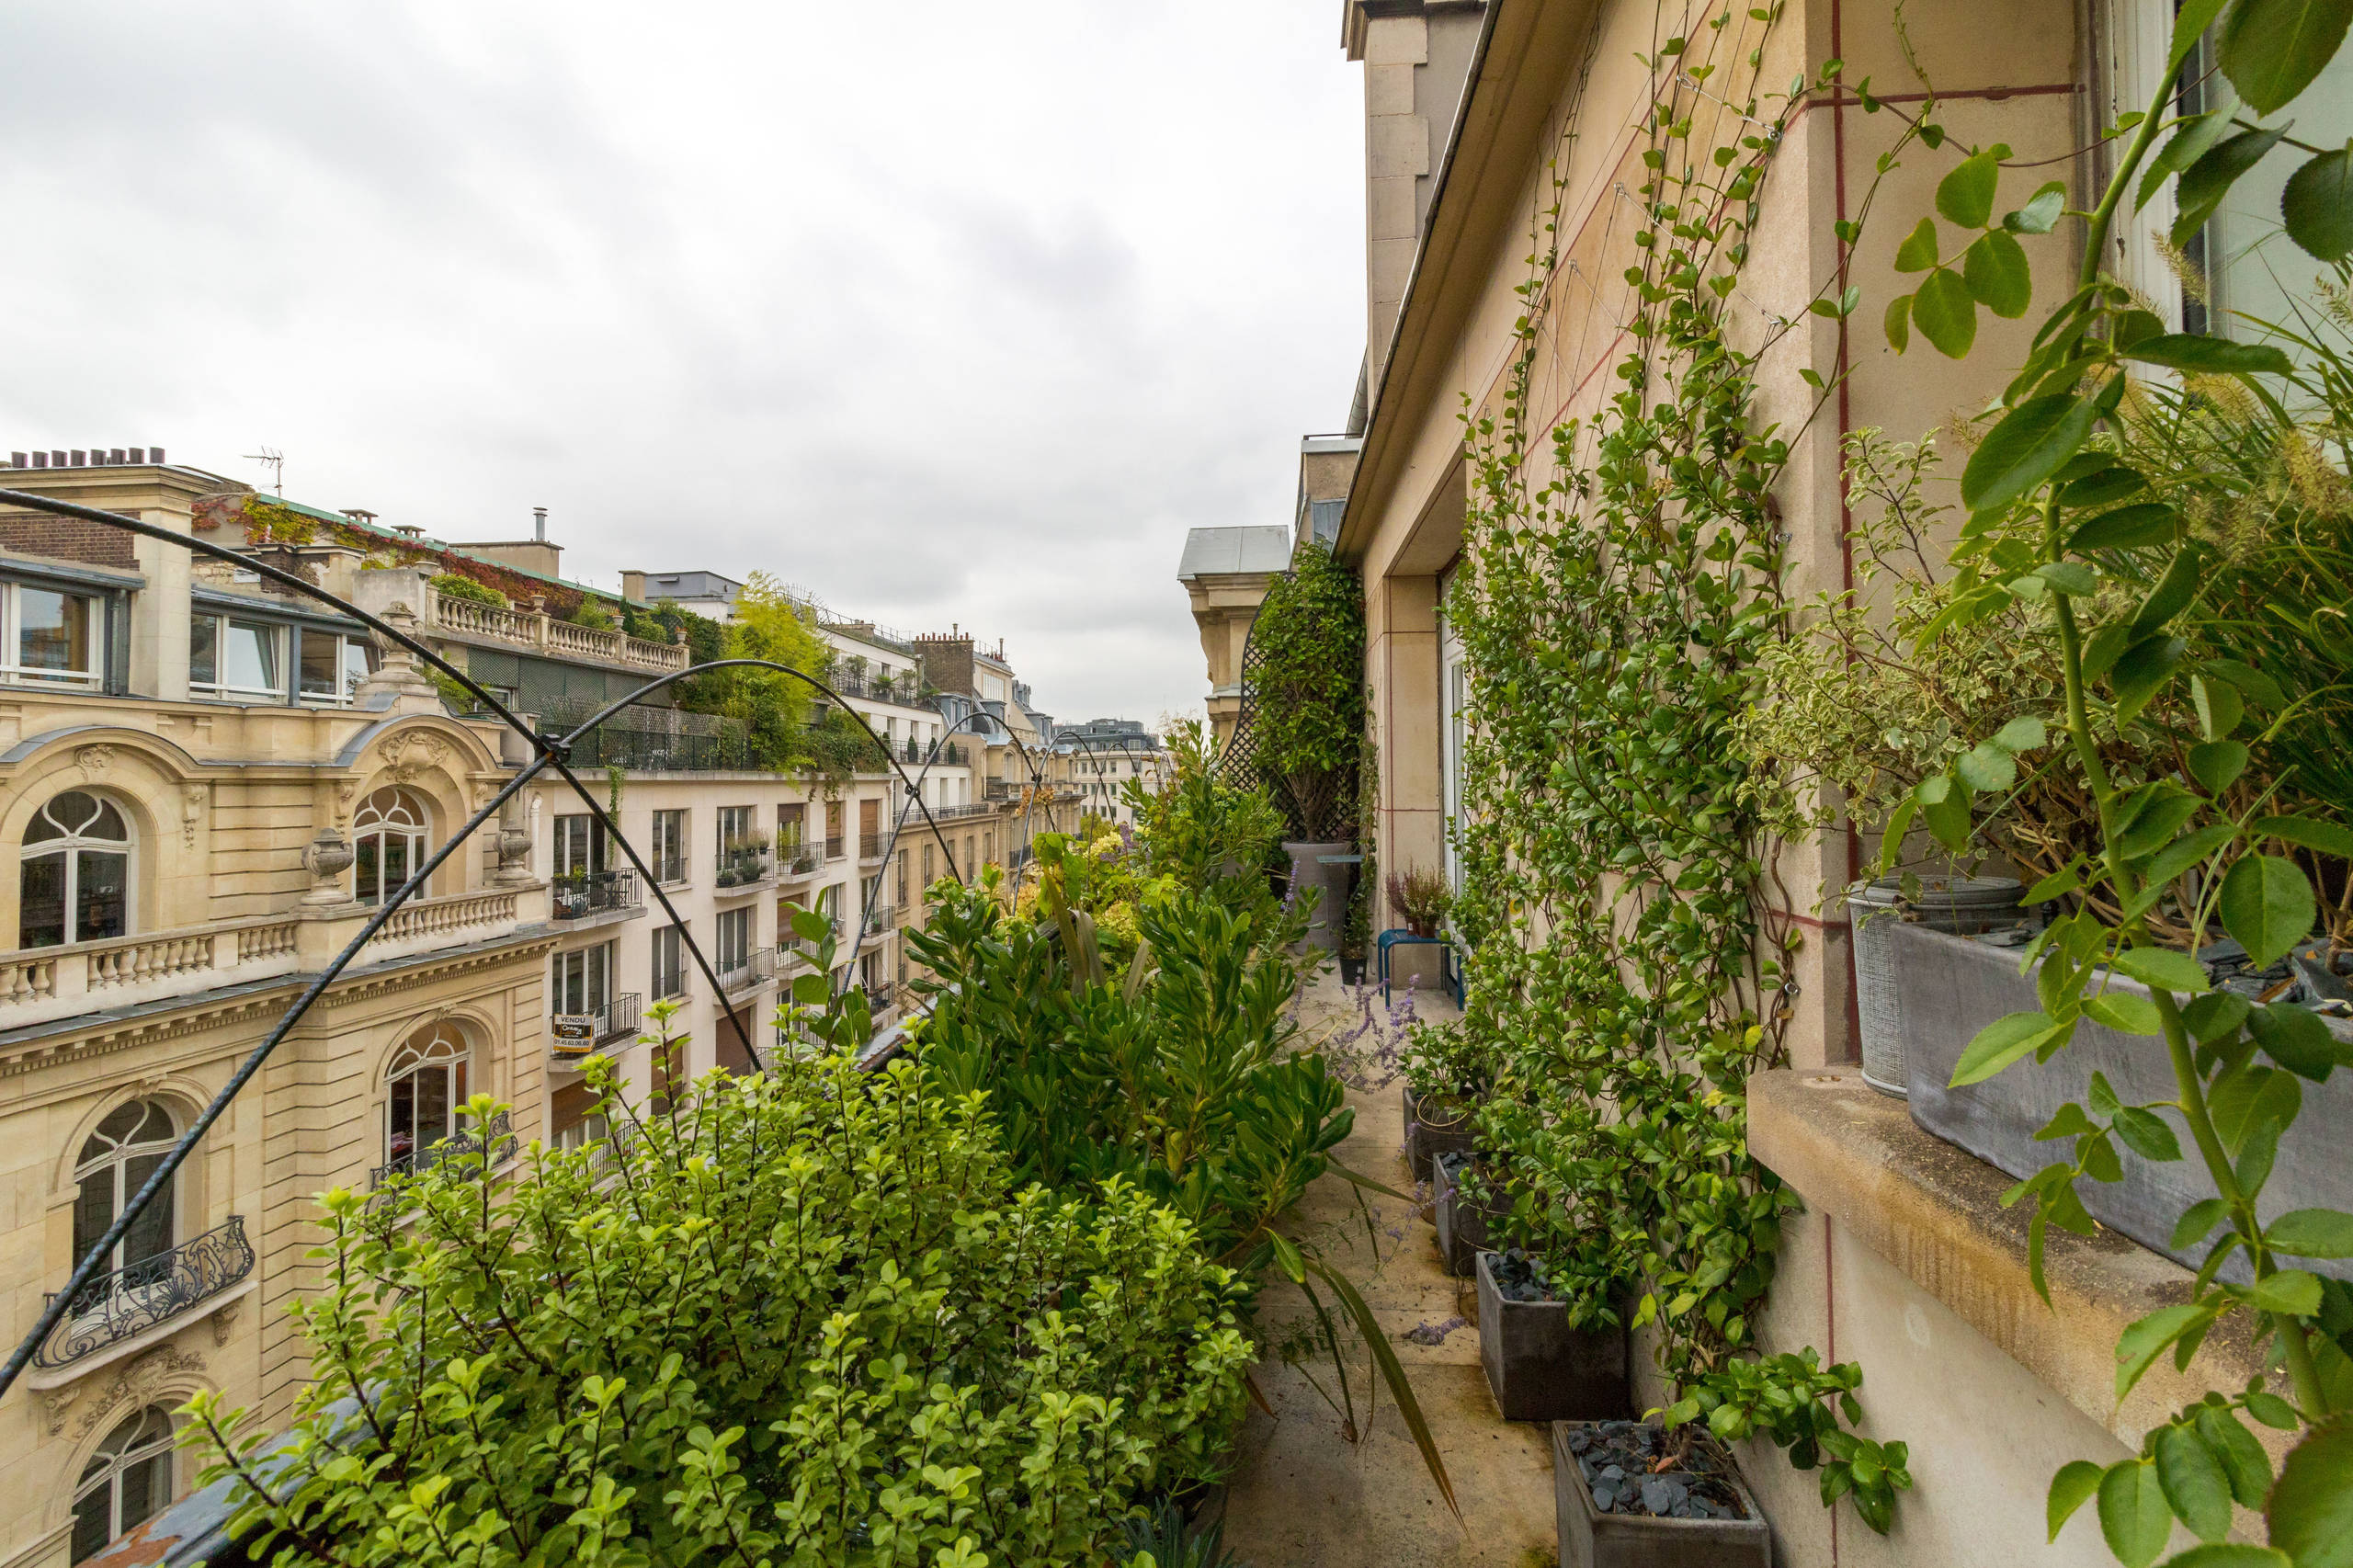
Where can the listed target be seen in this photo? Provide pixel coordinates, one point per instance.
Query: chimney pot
(56, 460)
(117, 458)
(19, 460)
(540, 524)
(155, 456)
(80, 458)
(41, 459)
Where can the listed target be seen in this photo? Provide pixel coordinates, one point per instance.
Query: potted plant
(1307, 723)
(1446, 1078)
(1466, 1205)
(1542, 1364)
(1354, 934)
(1632, 1495)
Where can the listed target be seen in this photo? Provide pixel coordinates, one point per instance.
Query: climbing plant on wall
(1622, 576)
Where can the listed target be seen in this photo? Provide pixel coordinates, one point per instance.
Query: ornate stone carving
(144, 1381)
(192, 799)
(94, 760)
(414, 752)
(224, 1320)
(326, 858)
(345, 793)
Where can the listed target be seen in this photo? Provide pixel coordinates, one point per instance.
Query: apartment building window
(789, 828)
(669, 856)
(332, 666)
(737, 824)
(902, 877)
(581, 844)
(928, 872)
(75, 877)
(833, 829)
(735, 940)
(49, 636)
(116, 1162)
(231, 657)
(126, 1484)
(988, 846)
(387, 842)
(669, 976)
(583, 981)
(428, 1083)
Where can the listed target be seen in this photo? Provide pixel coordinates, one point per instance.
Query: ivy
(1308, 718)
(1621, 587)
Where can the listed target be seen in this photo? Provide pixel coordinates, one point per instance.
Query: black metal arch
(549, 751)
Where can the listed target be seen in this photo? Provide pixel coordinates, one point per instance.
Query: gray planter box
(1310, 869)
(1590, 1538)
(1449, 1130)
(1465, 1229)
(1539, 1367)
(1953, 986)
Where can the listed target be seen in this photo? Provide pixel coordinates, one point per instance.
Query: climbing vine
(1621, 580)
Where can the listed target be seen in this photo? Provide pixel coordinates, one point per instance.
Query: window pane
(152, 1233)
(358, 663)
(367, 884)
(322, 657)
(93, 1523)
(41, 910)
(432, 1104)
(98, 895)
(403, 1139)
(251, 661)
(396, 866)
(53, 631)
(146, 1487)
(203, 650)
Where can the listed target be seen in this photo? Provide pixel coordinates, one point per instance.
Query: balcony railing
(744, 868)
(871, 846)
(877, 993)
(577, 895)
(536, 629)
(497, 1135)
(914, 813)
(837, 847)
(998, 789)
(746, 972)
(882, 920)
(798, 860)
(579, 1034)
(130, 1300)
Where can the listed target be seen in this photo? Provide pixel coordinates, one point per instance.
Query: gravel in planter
(1620, 1462)
(1465, 1225)
(1623, 1499)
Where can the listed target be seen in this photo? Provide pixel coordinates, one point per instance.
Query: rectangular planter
(1539, 1367)
(1590, 1538)
(1453, 1134)
(1465, 1228)
(1952, 986)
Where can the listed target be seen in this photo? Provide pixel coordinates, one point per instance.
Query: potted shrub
(1465, 1210)
(1307, 723)
(1964, 905)
(1632, 1495)
(1542, 1364)
(1446, 1078)
(1420, 899)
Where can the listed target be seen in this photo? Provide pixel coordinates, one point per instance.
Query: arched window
(116, 1162)
(388, 844)
(429, 1084)
(127, 1482)
(75, 880)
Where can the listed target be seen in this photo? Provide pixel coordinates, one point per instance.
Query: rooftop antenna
(275, 461)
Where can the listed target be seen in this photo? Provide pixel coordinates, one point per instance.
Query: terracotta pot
(1539, 1367)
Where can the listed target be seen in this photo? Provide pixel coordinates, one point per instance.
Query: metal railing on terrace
(800, 859)
(745, 971)
(497, 1135)
(579, 1034)
(575, 895)
(837, 847)
(135, 1298)
(744, 867)
(872, 844)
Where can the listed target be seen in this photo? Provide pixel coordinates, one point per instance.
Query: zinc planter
(1440, 1125)
(1963, 906)
(1952, 986)
(1465, 1226)
(1592, 1537)
(1539, 1366)
(1310, 869)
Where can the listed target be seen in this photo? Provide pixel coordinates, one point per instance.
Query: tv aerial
(275, 461)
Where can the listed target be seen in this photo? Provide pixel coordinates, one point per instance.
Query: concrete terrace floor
(1302, 1495)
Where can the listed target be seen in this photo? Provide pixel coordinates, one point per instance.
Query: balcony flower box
(1953, 986)
(1688, 1526)
(1465, 1224)
(1539, 1366)
(1439, 1125)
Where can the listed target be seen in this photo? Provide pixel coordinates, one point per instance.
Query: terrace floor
(1303, 1496)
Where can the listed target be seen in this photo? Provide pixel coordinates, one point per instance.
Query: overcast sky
(950, 312)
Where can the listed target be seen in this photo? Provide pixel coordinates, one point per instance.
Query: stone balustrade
(538, 629)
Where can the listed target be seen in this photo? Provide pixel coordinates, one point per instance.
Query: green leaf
(2214, 1015)
(2216, 765)
(2311, 1233)
(2194, 1482)
(2317, 206)
(2139, 1346)
(2070, 577)
(2042, 211)
(1994, 268)
(2002, 1042)
(2220, 705)
(2268, 905)
(2103, 485)
(2206, 182)
(2290, 1290)
(1965, 195)
(2191, 849)
(1946, 810)
(1287, 1260)
(2311, 1510)
(2327, 837)
(2244, 1460)
(2191, 138)
(2145, 1132)
(2189, 24)
(1946, 313)
(2127, 527)
(1987, 767)
(2124, 1012)
(1918, 251)
(2210, 356)
(2273, 49)
(2296, 1039)
(2075, 1485)
(2025, 732)
(2272, 1411)
(2253, 683)
(2162, 968)
(2025, 450)
(2142, 671)
(2103, 647)
(2228, 1554)
(2196, 1221)
(2133, 1515)
(2154, 826)
(2173, 594)
(1898, 323)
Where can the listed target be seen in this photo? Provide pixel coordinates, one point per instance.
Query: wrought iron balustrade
(578, 894)
(798, 860)
(835, 846)
(744, 867)
(133, 1299)
(497, 1135)
(743, 973)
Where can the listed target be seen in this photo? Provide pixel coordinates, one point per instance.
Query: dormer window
(49, 636)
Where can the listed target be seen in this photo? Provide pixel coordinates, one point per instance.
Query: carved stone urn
(326, 858)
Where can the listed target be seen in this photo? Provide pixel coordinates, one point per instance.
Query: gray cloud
(950, 313)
